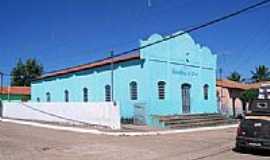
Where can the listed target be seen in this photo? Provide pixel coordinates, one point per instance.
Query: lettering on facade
(185, 73)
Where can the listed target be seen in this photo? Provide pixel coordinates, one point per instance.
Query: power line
(209, 23)
(195, 28)
(133, 41)
(245, 46)
(253, 39)
(198, 27)
(129, 42)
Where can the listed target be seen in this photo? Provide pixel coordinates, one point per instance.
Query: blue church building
(176, 76)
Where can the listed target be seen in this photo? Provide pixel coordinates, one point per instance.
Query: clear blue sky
(61, 33)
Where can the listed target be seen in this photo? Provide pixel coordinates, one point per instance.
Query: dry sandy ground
(19, 142)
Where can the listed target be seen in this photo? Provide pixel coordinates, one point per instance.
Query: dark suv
(254, 129)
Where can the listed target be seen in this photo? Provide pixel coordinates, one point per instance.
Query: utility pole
(149, 3)
(112, 76)
(2, 78)
(220, 73)
(1, 108)
(221, 91)
(9, 92)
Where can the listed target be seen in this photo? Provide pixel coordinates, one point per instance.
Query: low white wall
(100, 113)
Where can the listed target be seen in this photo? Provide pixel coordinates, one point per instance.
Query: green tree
(235, 76)
(248, 96)
(261, 73)
(23, 73)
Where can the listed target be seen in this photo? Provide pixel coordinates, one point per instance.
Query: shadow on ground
(256, 152)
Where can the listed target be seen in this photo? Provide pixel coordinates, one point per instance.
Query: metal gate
(139, 114)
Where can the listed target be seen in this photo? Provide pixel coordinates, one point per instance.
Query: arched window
(85, 94)
(107, 93)
(38, 99)
(161, 89)
(205, 91)
(66, 96)
(48, 97)
(133, 90)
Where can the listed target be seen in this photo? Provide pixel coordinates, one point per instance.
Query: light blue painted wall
(95, 80)
(176, 61)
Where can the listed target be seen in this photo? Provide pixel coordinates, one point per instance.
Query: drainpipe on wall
(9, 93)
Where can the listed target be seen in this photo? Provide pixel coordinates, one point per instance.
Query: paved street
(19, 142)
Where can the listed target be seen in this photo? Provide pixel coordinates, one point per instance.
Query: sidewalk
(128, 130)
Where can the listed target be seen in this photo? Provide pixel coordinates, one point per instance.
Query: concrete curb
(98, 132)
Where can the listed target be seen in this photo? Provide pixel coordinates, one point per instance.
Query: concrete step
(187, 117)
(200, 124)
(194, 120)
(184, 121)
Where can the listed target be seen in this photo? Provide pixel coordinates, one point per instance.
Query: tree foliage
(249, 95)
(235, 76)
(261, 73)
(23, 73)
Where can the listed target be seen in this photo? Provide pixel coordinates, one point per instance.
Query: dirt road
(19, 142)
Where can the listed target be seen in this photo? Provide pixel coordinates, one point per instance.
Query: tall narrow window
(133, 90)
(66, 96)
(48, 97)
(205, 91)
(38, 99)
(85, 94)
(107, 93)
(161, 90)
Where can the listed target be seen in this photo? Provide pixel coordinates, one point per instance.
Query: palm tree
(261, 73)
(235, 76)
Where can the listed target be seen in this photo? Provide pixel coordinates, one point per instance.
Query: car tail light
(240, 131)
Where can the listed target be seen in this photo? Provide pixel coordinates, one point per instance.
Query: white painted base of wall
(99, 113)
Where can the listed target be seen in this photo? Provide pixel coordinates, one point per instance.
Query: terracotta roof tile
(237, 85)
(257, 84)
(15, 90)
(231, 84)
(99, 63)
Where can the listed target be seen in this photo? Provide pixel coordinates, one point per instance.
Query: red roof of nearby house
(231, 84)
(237, 85)
(99, 63)
(257, 84)
(15, 90)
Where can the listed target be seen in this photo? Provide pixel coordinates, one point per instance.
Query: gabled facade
(177, 76)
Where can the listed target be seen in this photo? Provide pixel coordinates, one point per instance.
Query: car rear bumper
(256, 143)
